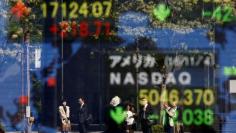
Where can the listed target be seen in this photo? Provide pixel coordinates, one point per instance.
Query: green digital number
(208, 117)
(198, 117)
(217, 14)
(228, 14)
(224, 14)
(187, 117)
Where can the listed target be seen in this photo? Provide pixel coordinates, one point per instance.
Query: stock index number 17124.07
(75, 9)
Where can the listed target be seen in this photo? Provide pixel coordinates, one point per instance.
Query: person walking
(64, 112)
(83, 115)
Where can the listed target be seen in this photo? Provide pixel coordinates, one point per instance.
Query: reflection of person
(111, 125)
(64, 112)
(145, 111)
(83, 115)
(169, 114)
(134, 127)
(130, 121)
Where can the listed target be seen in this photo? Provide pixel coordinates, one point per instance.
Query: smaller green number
(187, 117)
(208, 117)
(198, 117)
(217, 14)
(224, 14)
(228, 14)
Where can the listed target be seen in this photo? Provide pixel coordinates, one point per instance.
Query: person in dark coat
(83, 115)
(145, 111)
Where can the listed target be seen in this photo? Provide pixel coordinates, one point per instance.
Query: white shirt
(129, 118)
(81, 105)
(145, 107)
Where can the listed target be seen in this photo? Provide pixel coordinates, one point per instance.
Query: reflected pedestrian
(169, 114)
(64, 112)
(111, 125)
(130, 119)
(145, 111)
(83, 115)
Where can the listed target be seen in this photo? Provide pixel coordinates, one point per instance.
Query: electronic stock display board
(84, 49)
(189, 82)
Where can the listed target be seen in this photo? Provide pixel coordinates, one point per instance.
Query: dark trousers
(168, 129)
(145, 127)
(129, 128)
(82, 128)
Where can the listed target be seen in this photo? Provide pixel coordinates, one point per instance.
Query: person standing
(145, 111)
(83, 115)
(64, 112)
(130, 121)
(169, 114)
(111, 125)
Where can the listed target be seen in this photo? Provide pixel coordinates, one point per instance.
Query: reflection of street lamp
(27, 42)
(163, 98)
(137, 70)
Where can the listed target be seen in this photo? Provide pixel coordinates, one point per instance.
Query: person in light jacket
(64, 112)
(168, 117)
(130, 119)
